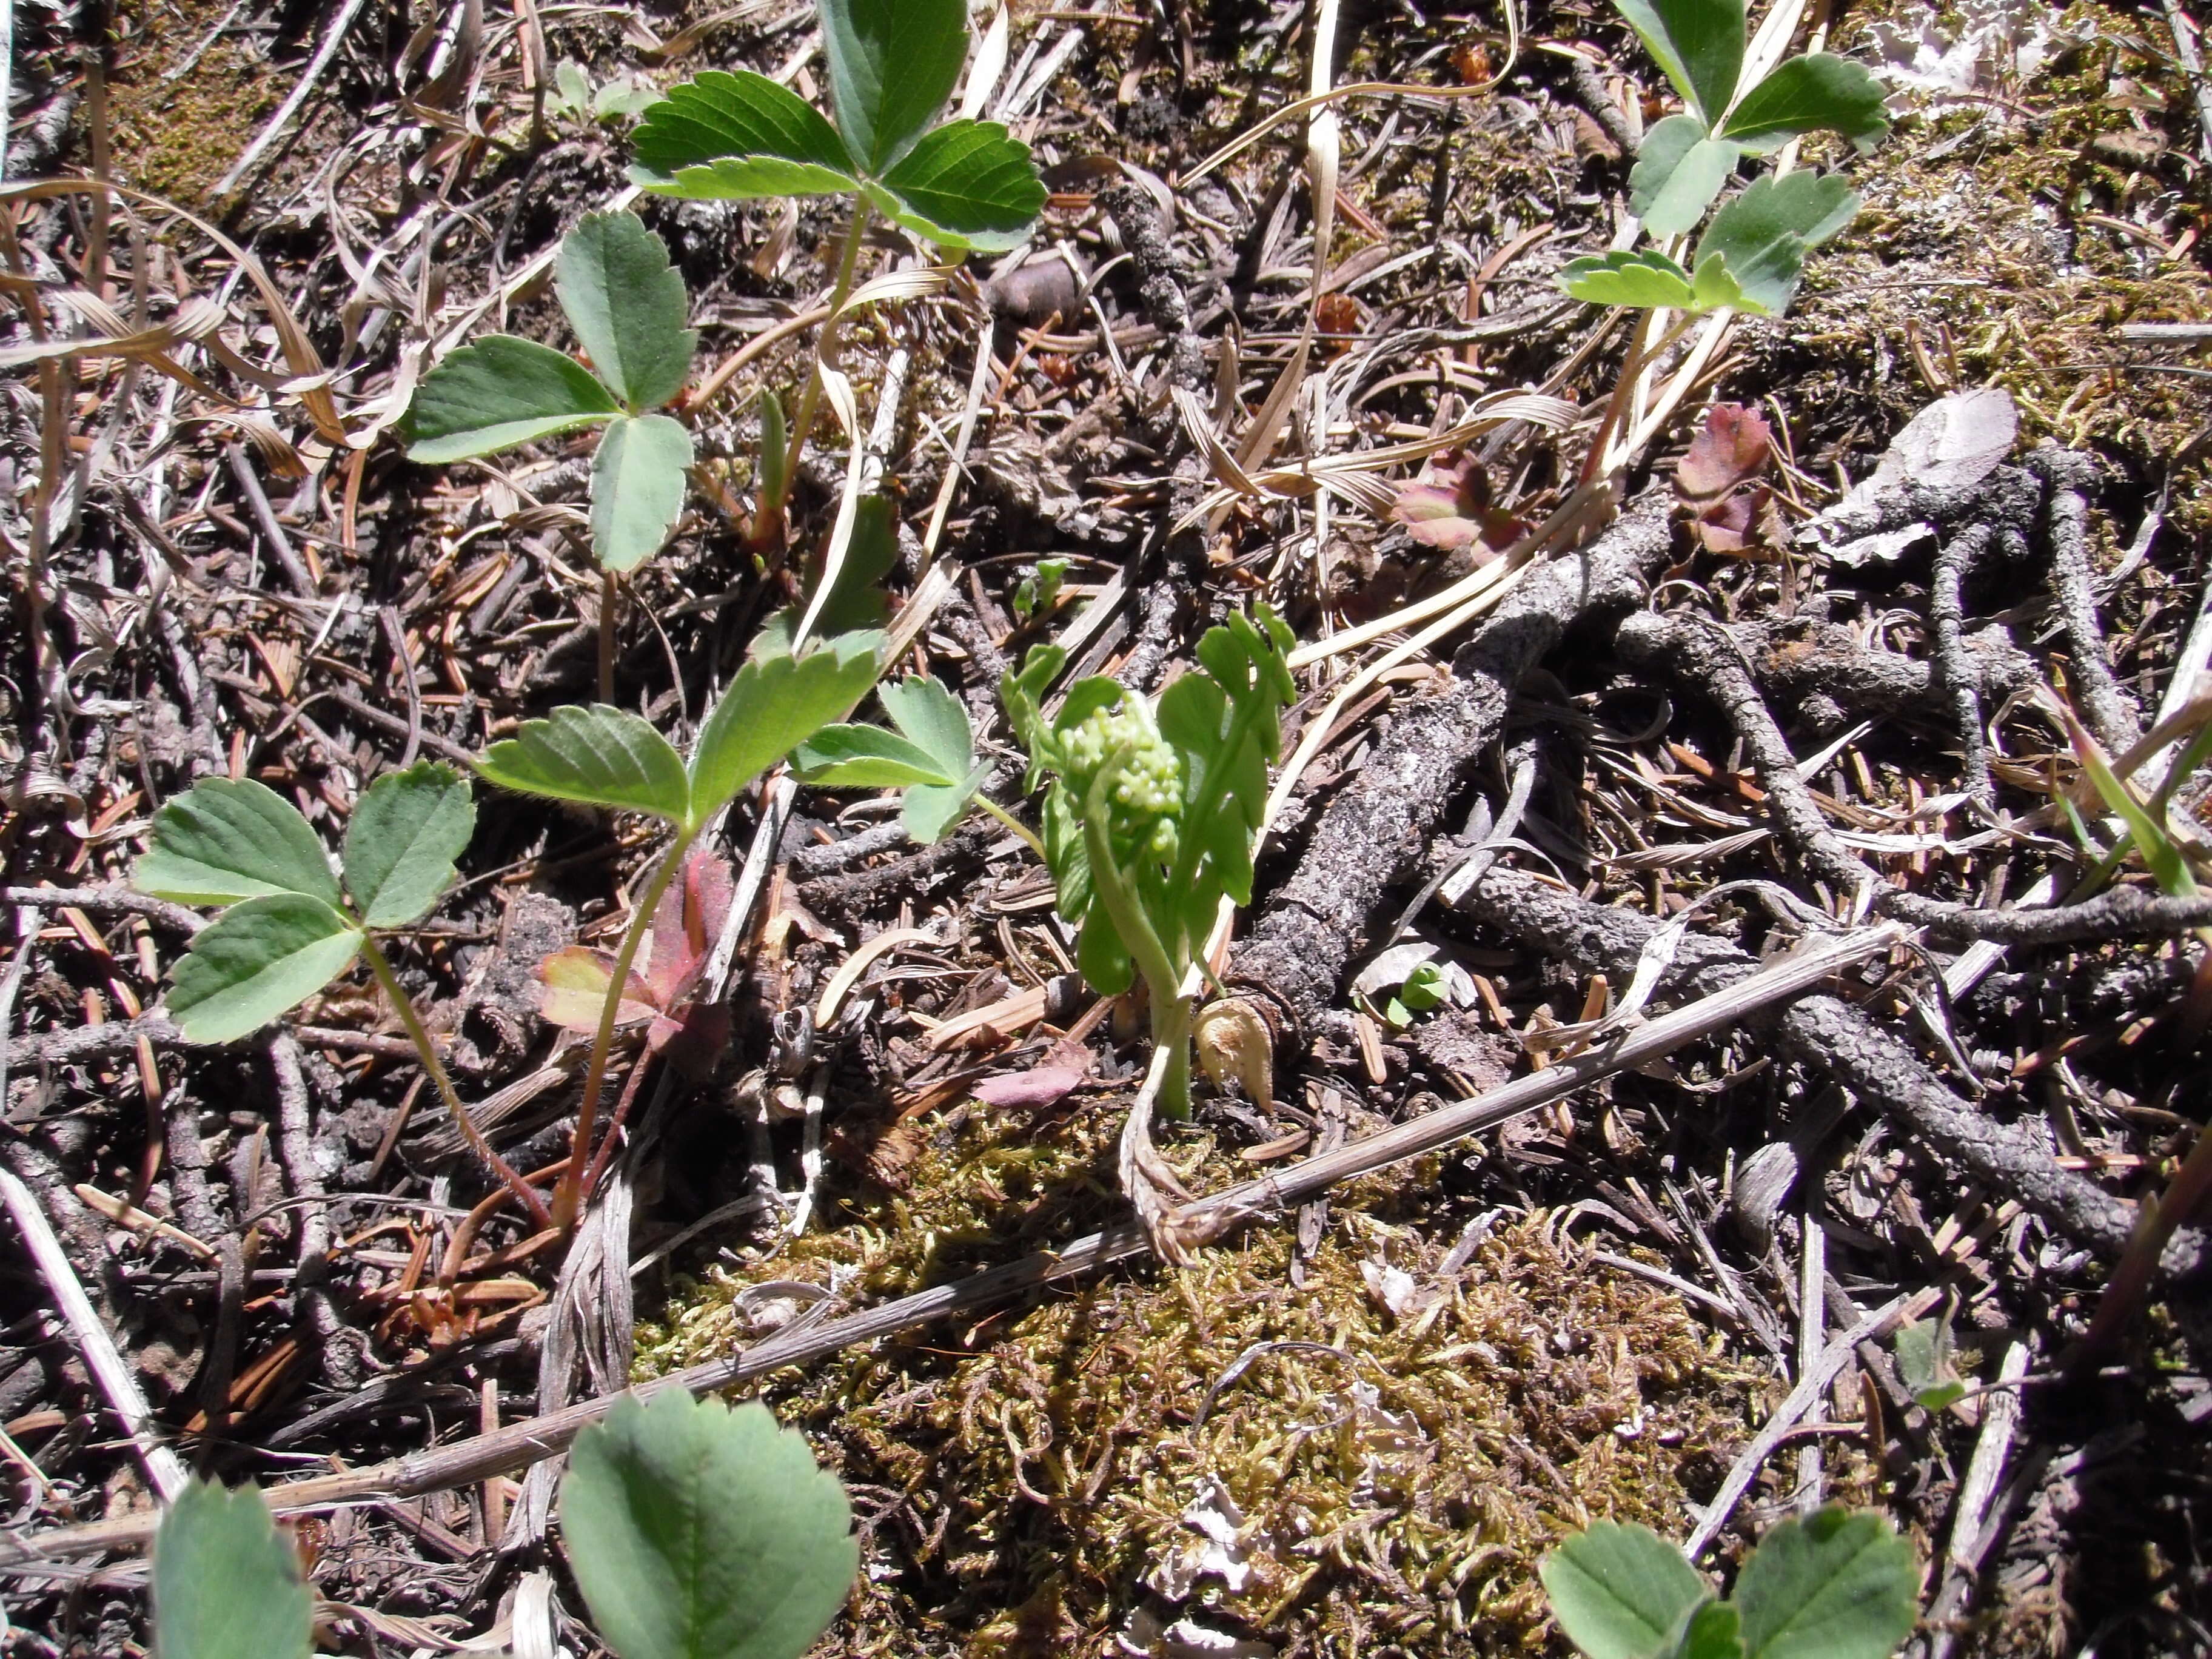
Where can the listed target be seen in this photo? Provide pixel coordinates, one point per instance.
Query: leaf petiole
(825, 356)
(1011, 823)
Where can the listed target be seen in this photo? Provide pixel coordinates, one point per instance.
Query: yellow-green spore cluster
(1146, 790)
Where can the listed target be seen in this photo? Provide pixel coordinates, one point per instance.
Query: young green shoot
(288, 930)
(929, 751)
(1150, 814)
(627, 306)
(603, 756)
(966, 185)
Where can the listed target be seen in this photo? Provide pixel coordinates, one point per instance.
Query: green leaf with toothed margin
(226, 1582)
(1836, 1584)
(225, 840)
(405, 832)
(969, 184)
(255, 961)
(1620, 1591)
(638, 480)
(892, 66)
(596, 755)
(498, 393)
(627, 306)
(736, 135)
(773, 705)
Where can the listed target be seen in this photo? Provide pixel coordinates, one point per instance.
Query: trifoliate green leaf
(775, 704)
(969, 184)
(223, 840)
(1817, 93)
(1764, 233)
(498, 393)
(1838, 1584)
(737, 135)
(1671, 188)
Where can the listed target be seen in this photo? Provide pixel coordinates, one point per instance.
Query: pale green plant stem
(1011, 823)
(568, 1195)
(403, 1004)
(826, 352)
(1616, 408)
(1163, 975)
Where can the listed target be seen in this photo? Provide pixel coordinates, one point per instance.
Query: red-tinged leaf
(1732, 448)
(685, 925)
(1448, 508)
(575, 980)
(1039, 1086)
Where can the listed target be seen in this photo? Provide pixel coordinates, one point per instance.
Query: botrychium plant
(695, 1531)
(928, 751)
(1835, 1584)
(1753, 252)
(1151, 811)
(288, 930)
(964, 184)
(598, 756)
(627, 306)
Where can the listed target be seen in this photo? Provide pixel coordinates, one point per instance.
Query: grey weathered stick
(527, 1443)
(279, 123)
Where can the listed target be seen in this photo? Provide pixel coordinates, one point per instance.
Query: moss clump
(1399, 1475)
(176, 138)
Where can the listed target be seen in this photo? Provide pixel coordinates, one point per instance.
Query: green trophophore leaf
(1621, 1591)
(1674, 183)
(1646, 280)
(1700, 44)
(1763, 234)
(775, 704)
(638, 480)
(698, 1532)
(223, 840)
(405, 832)
(627, 306)
(226, 1582)
(892, 65)
(499, 392)
(929, 811)
(255, 961)
(1817, 93)
(1838, 1584)
(968, 184)
(932, 756)
(736, 135)
(934, 720)
(596, 755)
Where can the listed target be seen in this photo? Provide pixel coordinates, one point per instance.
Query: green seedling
(572, 96)
(603, 756)
(1038, 592)
(1836, 1584)
(1151, 814)
(699, 1532)
(627, 306)
(929, 752)
(963, 184)
(1924, 1363)
(288, 931)
(694, 1531)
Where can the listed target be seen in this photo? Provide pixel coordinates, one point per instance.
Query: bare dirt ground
(1640, 773)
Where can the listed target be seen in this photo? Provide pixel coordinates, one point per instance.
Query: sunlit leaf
(1620, 1591)
(892, 66)
(1817, 93)
(638, 480)
(1924, 1363)
(255, 962)
(1700, 44)
(595, 755)
(406, 831)
(968, 185)
(1763, 234)
(773, 705)
(1836, 1584)
(576, 980)
(698, 1532)
(736, 135)
(226, 1582)
(498, 393)
(222, 839)
(1647, 280)
(865, 757)
(627, 306)
(1671, 187)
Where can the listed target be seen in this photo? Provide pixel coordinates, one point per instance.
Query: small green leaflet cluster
(964, 184)
(1836, 1584)
(930, 754)
(627, 306)
(1753, 253)
(1924, 1363)
(288, 932)
(694, 1531)
(572, 95)
(595, 755)
(1150, 816)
